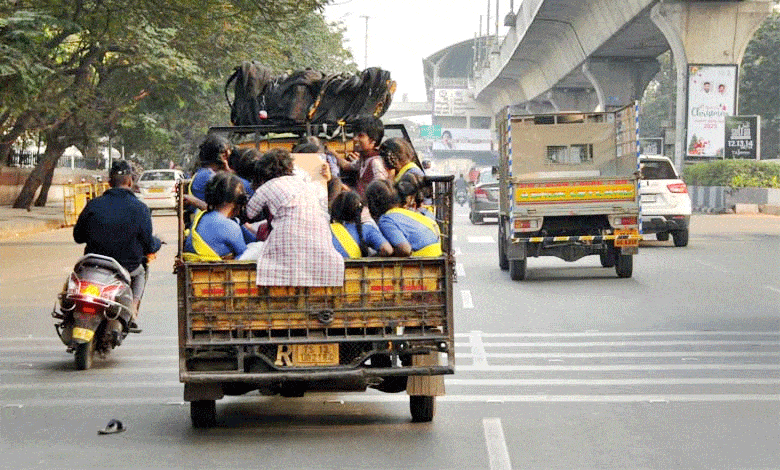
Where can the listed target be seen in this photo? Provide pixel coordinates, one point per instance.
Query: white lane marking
(174, 339)
(92, 384)
(565, 334)
(55, 339)
(604, 382)
(173, 371)
(713, 266)
(456, 251)
(592, 344)
(460, 270)
(614, 367)
(447, 381)
(496, 444)
(481, 239)
(772, 288)
(627, 354)
(477, 349)
(451, 398)
(467, 301)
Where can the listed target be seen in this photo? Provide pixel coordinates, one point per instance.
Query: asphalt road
(676, 367)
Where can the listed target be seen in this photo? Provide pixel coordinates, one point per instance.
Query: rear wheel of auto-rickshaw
(422, 407)
(203, 413)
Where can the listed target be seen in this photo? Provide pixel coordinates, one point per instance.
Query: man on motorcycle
(119, 225)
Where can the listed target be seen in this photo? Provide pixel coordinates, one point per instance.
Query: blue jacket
(118, 225)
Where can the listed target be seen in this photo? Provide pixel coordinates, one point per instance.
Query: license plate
(84, 334)
(156, 190)
(648, 198)
(307, 355)
(621, 242)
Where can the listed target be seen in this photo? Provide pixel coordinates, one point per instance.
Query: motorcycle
(461, 196)
(95, 309)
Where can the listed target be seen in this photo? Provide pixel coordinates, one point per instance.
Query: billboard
(711, 97)
(453, 102)
(463, 140)
(742, 137)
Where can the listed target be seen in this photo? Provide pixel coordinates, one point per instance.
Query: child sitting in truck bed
(298, 250)
(351, 237)
(410, 233)
(214, 234)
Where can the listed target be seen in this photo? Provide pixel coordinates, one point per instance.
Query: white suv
(666, 205)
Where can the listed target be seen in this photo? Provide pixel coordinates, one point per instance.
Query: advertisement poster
(742, 137)
(711, 97)
(464, 140)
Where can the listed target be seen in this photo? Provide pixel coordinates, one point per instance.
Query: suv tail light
(677, 188)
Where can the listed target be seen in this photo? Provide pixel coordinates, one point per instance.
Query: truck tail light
(627, 221)
(480, 193)
(677, 188)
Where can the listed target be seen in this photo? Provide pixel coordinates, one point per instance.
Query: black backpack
(252, 81)
(306, 96)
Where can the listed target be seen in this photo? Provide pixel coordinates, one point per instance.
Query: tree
(759, 90)
(75, 70)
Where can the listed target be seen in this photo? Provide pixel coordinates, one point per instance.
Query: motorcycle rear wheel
(84, 353)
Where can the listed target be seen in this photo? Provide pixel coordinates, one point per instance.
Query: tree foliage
(734, 173)
(149, 73)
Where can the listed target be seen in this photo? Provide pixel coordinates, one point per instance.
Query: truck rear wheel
(662, 236)
(517, 268)
(608, 259)
(624, 265)
(503, 261)
(680, 237)
(203, 413)
(422, 407)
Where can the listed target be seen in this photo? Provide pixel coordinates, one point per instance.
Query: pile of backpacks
(306, 96)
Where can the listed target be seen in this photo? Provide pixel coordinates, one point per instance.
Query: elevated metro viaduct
(588, 55)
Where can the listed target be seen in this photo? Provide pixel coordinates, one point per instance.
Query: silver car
(483, 197)
(157, 188)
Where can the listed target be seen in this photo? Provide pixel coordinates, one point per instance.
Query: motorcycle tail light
(679, 188)
(88, 308)
(90, 289)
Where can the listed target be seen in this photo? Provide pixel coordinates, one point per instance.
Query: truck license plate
(621, 242)
(304, 355)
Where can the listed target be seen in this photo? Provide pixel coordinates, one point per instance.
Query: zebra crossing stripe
(398, 398)
(498, 454)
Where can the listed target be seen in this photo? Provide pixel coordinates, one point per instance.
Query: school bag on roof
(306, 96)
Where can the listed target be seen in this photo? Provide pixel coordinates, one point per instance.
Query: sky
(403, 32)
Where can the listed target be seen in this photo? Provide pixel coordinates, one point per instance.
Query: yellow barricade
(76, 196)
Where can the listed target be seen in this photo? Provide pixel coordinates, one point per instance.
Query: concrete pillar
(619, 82)
(706, 32)
(573, 99)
